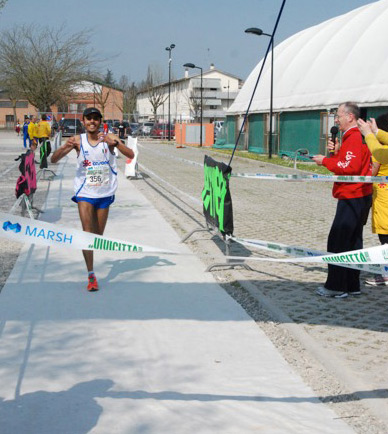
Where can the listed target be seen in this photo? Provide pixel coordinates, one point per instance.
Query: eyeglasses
(94, 117)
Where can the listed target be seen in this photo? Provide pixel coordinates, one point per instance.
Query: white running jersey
(96, 175)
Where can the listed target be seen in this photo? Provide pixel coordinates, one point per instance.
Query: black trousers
(346, 234)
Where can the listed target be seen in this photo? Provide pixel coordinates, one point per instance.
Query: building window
(213, 107)
(22, 104)
(8, 104)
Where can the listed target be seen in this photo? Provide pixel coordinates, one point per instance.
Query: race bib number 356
(97, 176)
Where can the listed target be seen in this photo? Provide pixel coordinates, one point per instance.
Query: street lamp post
(227, 87)
(259, 32)
(169, 49)
(191, 65)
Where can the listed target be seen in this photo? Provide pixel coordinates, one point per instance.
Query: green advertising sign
(216, 198)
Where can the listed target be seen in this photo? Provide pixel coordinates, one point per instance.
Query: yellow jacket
(32, 130)
(43, 129)
(378, 145)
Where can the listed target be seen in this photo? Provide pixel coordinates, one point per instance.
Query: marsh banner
(29, 231)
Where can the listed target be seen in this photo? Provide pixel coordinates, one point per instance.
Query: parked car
(134, 128)
(70, 127)
(146, 128)
(160, 131)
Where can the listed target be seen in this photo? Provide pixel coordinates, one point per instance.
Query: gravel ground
(339, 347)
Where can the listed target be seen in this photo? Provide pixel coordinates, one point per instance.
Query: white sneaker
(324, 292)
(377, 281)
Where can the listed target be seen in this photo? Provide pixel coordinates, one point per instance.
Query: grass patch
(308, 167)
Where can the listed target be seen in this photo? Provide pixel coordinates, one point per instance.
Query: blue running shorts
(103, 202)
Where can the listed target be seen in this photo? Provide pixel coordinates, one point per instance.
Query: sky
(131, 35)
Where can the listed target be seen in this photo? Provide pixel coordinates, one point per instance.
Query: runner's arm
(115, 142)
(72, 143)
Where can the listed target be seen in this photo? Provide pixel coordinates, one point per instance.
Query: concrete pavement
(161, 348)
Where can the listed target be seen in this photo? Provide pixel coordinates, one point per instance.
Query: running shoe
(92, 283)
(377, 281)
(324, 292)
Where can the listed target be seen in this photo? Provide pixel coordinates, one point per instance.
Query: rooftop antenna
(207, 60)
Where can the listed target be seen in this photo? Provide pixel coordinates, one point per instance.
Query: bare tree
(101, 96)
(194, 101)
(14, 95)
(156, 92)
(43, 64)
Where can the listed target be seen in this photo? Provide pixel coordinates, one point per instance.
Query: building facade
(314, 71)
(108, 100)
(219, 89)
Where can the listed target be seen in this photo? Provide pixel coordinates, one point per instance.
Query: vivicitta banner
(25, 230)
(305, 252)
(367, 257)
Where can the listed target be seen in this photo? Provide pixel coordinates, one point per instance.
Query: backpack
(26, 183)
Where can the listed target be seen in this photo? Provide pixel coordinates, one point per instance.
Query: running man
(95, 182)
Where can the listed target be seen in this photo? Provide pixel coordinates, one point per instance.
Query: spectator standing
(26, 137)
(17, 128)
(106, 127)
(32, 133)
(354, 201)
(43, 132)
(121, 130)
(380, 195)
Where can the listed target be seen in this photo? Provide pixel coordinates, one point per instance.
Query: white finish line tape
(316, 178)
(304, 252)
(25, 230)
(368, 259)
(289, 177)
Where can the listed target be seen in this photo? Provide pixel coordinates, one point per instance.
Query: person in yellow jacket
(376, 138)
(43, 130)
(32, 131)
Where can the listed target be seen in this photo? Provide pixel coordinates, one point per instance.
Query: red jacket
(353, 158)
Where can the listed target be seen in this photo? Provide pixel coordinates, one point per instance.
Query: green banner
(216, 198)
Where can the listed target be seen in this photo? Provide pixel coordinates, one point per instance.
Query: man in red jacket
(354, 200)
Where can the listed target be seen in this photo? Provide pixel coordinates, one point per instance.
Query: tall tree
(108, 79)
(129, 97)
(44, 64)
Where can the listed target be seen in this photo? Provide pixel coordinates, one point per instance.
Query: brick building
(86, 94)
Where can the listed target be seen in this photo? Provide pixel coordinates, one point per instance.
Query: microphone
(333, 132)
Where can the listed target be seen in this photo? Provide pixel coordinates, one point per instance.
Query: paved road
(338, 346)
(161, 348)
(346, 339)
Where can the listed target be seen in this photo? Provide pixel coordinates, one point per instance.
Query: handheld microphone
(333, 132)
